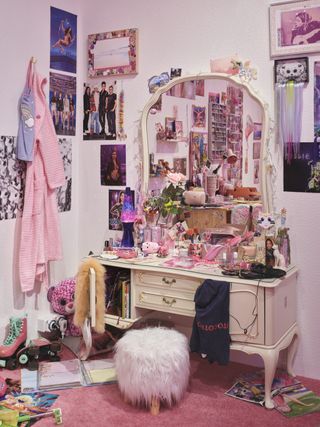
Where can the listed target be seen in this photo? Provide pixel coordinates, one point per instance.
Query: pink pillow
(223, 65)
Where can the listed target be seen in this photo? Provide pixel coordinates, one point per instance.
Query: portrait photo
(199, 87)
(63, 40)
(113, 164)
(294, 27)
(62, 103)
(116, 198)
(100, 110)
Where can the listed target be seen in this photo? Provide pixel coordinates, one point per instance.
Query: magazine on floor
(296, 401)
(68, 374)
(250, 386)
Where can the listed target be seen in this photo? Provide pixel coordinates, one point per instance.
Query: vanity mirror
(214, 129)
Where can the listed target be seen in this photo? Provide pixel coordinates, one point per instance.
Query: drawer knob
(169, 301)
(168, 281)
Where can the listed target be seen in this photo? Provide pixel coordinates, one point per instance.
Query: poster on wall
(113, 164)
(100, 110)
(63, 41)
(62, 103)
(198, 155)
(317, 101)
(12, 179)
(116, 198)
(302, 173)
(64, 193)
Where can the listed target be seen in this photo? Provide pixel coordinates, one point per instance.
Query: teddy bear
(61, 297)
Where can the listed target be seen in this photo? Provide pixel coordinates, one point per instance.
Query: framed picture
(294, 28)
(113, 53)
(199, 87)
(180, 165)
(291, 70)
(199, 116)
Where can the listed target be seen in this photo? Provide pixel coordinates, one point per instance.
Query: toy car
(38, 350)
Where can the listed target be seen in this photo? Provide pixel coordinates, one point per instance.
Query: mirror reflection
(212, 131)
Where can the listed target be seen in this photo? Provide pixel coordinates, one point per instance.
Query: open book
(250, 387)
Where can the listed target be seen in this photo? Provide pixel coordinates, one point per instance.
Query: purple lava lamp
(128, 216)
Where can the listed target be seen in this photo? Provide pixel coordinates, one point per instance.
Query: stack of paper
(58, 375)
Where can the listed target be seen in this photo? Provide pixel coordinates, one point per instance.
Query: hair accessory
(156, 81)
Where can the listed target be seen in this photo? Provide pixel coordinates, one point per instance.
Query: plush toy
(150, 248)
(61, 298)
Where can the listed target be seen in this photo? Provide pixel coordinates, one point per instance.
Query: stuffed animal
(150, 248)
(61, 298)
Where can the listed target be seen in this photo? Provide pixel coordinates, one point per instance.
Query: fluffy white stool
(152, 365)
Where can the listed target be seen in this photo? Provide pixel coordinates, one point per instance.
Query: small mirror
(213, 129)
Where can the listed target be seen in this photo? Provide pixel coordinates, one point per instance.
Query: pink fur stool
(152, 365)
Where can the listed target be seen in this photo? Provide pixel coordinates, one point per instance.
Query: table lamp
(128, 216)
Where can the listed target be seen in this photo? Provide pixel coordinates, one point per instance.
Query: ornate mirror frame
(265, 169)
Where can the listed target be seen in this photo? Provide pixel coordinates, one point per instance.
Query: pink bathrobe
(40, 234)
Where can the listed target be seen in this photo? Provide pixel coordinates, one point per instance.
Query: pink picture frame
(294, 28)
(113, 53)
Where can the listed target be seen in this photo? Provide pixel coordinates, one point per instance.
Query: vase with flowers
(171, 196)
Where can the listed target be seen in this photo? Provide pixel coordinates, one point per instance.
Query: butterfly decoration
(157, 81)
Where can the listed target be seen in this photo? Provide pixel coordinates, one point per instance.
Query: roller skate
(14, 341)
(38, 349)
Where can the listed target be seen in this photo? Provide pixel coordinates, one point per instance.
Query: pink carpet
(203, 405)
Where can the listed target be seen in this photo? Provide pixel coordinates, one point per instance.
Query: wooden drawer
(166, 281)
(246, 308)
(166, 300)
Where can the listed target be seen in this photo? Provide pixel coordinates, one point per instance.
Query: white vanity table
(262, 313)
(265, 308)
